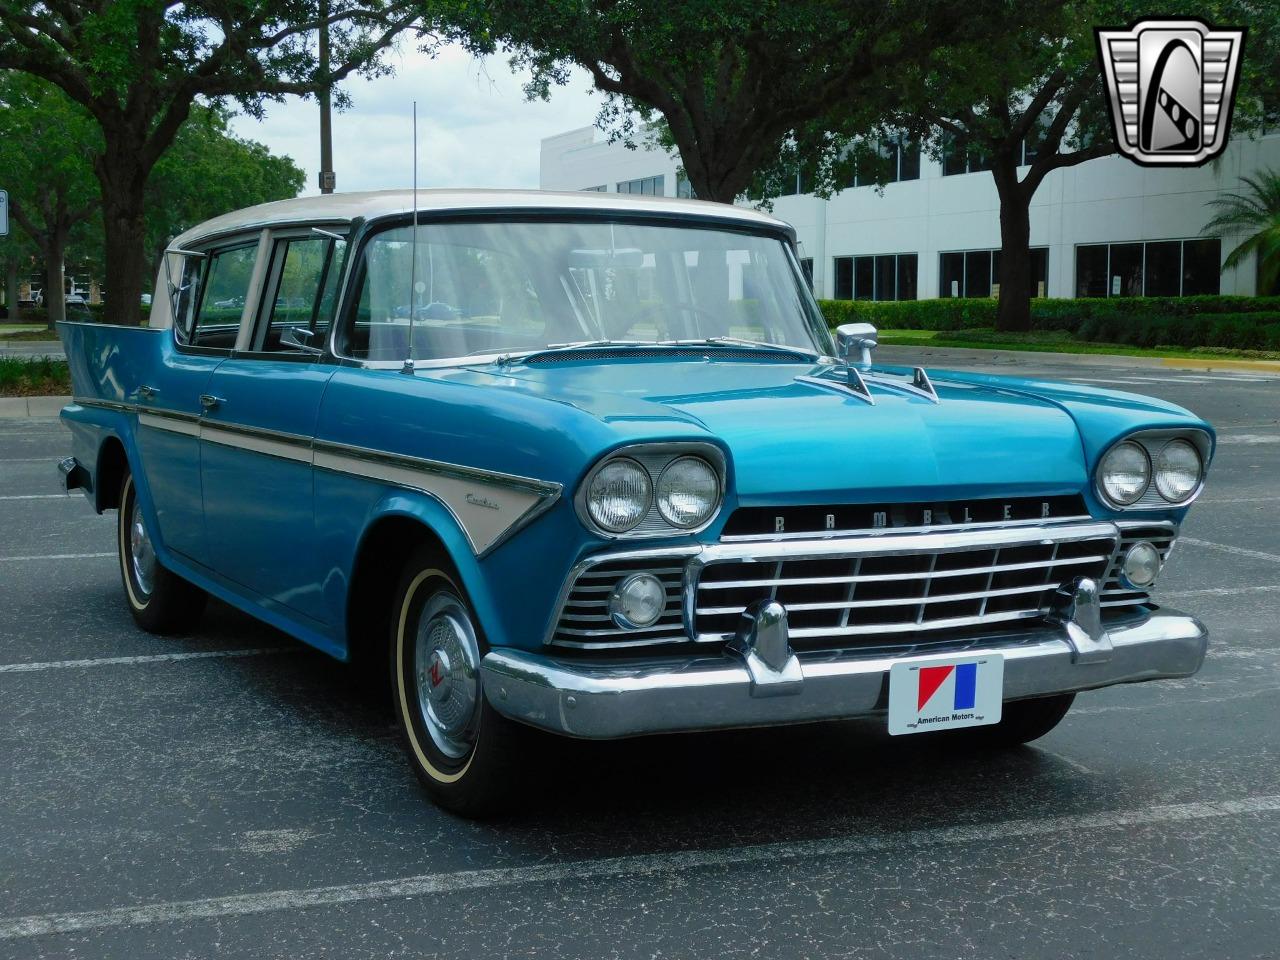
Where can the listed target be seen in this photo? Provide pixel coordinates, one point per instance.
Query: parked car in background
(592, 464)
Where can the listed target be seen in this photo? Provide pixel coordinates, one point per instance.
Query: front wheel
(464, 752)
(160, 600)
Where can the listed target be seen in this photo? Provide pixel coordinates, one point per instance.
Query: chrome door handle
(147, 393)
(209, 401)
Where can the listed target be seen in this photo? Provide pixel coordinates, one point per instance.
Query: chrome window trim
(1153, 441)
(351, 460)
(676, 448)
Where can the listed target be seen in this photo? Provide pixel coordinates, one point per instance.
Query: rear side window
(221, 297)
(307, 274)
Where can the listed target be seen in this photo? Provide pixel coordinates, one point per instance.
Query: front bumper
(600, 700)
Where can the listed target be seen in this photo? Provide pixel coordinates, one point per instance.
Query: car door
(208, 296)
(259, 421)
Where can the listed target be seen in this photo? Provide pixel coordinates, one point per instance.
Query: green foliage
(33, 377)
(1237, 323)
(732, 80)
(209, 171)
(1254, 212)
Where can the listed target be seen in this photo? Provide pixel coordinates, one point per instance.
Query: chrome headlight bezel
(1153, 443)
(654, 458)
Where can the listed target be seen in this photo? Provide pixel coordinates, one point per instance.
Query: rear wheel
(464, 752)
(1022, 721)
(160, 600)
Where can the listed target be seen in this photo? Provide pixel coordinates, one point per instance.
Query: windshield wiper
(574, 345)
(759, 344)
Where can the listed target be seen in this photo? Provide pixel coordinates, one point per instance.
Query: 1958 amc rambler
(593, 464)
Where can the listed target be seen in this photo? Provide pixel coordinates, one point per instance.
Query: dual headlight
(1129, 469)
(672, 490)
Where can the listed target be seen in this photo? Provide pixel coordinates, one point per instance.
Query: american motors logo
(943, 693)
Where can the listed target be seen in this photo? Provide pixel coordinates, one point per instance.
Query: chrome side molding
(1078, 607)
(764, 645)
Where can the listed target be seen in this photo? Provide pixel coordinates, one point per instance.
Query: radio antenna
(413, 245)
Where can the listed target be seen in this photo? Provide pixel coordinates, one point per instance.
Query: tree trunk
(123, 182)
(55, 294)
(11, 290)
(1013, 313)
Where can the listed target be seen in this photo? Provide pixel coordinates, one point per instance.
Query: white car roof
(345, 207)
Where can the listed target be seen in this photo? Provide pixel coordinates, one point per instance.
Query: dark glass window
(886, 278)
(843, 278)
(909, 168)
(1201, 267)
(684, 188)
(977, 273)
(1124, 279)
(1163, 275)
(954, 160)
(1040, 271)
(1091, 270)
(864, 278)
(908, 268)
(951, 275)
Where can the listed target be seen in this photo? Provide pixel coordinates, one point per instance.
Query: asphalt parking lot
(231, 793)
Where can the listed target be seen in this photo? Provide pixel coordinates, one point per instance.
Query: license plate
(945, 693)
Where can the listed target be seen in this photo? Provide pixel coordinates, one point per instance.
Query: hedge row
(1236, 323)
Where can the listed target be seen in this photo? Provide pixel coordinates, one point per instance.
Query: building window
(888, 276)
(1158, 268)
(684, 188)
(976, 273)
(892, 161)
(958, 157)
(603, 188)
(647, 186)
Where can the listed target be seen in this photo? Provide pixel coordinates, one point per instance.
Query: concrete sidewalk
(51, 349)
(18, 408)
(906, 355)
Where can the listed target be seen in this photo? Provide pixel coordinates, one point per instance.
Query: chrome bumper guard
(759, 680)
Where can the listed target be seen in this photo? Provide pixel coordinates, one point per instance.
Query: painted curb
(19, 408)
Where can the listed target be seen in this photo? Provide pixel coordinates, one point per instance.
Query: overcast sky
(475, 128)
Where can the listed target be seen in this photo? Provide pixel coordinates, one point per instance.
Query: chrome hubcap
(447, 671)
(141, 552)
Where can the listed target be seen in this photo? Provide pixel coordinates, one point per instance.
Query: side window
(305, 294)
(221, 298)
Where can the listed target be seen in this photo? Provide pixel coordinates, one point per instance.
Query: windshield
(478, 288)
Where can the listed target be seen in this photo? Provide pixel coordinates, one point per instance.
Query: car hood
(792, 440)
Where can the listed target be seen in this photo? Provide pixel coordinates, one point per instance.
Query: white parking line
(1248, 438)
(1221, 591)
(49, 460)
(38, 496)
(148, 658)
(57, 556)
(645, 864)
(1225, 548)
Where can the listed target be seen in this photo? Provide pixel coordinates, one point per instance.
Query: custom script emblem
(485, 502)
(1171, 85)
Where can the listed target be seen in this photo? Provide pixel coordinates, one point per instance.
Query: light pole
(327, 178)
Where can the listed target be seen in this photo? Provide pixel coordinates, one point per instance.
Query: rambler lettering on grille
(827, 519)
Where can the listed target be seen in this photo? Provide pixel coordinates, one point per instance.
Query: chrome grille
(898, 591)
(1161, 536)
(584, 618)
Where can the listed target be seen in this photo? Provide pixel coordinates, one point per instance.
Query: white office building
(1104, 228)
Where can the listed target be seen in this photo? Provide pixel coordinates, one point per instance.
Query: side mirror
(861, 337)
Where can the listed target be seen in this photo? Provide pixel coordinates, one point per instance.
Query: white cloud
(475, 128)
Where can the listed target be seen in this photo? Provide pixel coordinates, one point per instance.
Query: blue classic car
(594, 465)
